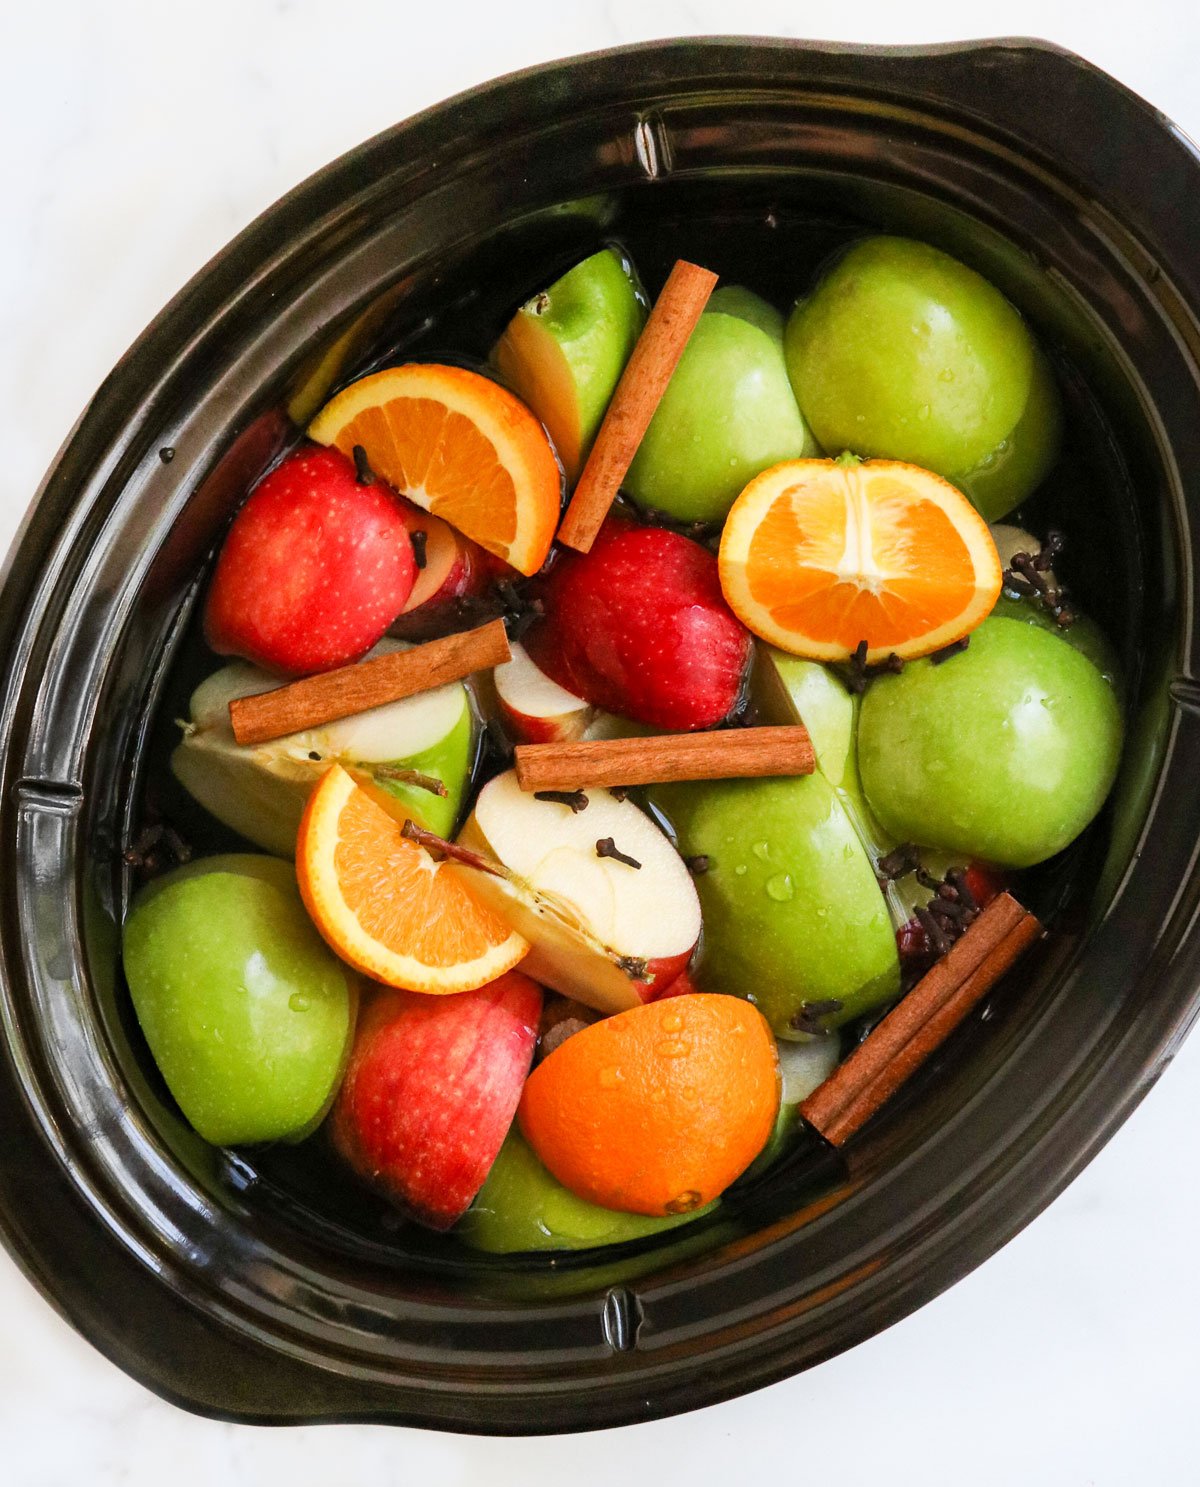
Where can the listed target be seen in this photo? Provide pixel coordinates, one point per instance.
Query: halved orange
(819, 555)
(458, 445)
(385, 905)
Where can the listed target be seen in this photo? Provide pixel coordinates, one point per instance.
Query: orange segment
(818, 555)
(386, 906)
(458, 445)
(658, 1109)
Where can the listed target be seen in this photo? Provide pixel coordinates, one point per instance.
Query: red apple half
(430, 1091)
(535, 709)
(610, 935)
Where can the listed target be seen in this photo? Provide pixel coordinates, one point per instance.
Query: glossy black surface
(244, 1287)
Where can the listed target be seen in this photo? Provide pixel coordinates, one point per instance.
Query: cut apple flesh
(260, 791)
(609, 935)
(448, 558)
(536, 709)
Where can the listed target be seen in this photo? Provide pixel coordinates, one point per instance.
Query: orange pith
(818, 555)
(385, 905)
(459, 446)
(658, 1109)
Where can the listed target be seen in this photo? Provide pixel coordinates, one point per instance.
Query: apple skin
(246, 1012)
(728, 414)
(744, 304)
(522, 1208)
(431, 1089)
(1004, 752)
(564, 350)
(792, 910)
(639, 626)
(313, 570)
(902, 352)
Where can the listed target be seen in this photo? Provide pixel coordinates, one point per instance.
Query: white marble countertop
(138, 138)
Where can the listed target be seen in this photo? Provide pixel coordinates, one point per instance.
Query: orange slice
(458, 445)
(819, 555)
(386, 906)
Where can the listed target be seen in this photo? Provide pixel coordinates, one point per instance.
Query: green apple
(1004, 752)
(521, 1207)
(902, 352)
(744, 304)
(564, 350)
(247, 1012)
(790, 689)
(727, 414)
(803, 1067)
(260, 791)
(792, 910)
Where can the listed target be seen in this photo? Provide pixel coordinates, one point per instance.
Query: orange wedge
(386, 906)
(820, 555)
(458, 445)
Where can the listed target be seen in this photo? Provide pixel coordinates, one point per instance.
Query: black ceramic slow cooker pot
(222, 1280)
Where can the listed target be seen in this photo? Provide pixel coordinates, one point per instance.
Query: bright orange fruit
(385, 905)
(459, 446)
(657, 1109)
(819, 555)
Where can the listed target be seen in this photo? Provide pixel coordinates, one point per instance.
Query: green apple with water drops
(1004, 752)
(793, 914)
(246, 1011)
(727, 414)
(521, 1207)
(564, 350)
(396, 751)
(902, 352)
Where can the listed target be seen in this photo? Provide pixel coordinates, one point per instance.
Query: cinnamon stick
(734, 753)
(638, 394)
(922, 1021)
(354, 689)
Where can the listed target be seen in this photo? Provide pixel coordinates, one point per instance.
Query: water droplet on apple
(761, 850)
(298, 1002)
(946, 375)
(781, 888)
(923, 412)
(740, 870)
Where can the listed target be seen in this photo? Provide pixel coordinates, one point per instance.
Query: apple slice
(261, 791)
(610, 935)
(454, 569)
(534, 708)
(431, 1089)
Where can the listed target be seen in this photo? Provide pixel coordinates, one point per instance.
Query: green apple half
(564, 350)
(610, 935)
(247, 1012)
(727, 414)
(261, 790)
(793, 914)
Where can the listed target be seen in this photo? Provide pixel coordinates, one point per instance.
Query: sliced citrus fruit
(458, 445)
(385, 905)
(820, 555)
(657, 1109)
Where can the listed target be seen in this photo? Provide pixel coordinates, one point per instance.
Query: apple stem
(439, 845)
(412, 777)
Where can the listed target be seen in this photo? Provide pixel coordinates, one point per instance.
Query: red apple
(610, 930)
(534, 708)
(314, 569)
(431, 1089)
(639, 626)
